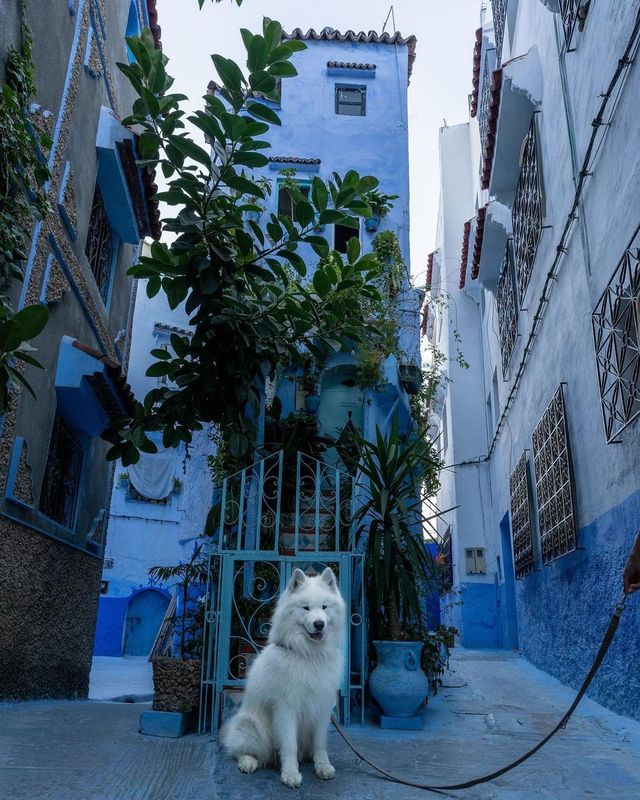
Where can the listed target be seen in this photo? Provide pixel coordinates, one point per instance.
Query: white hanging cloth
(153, 475)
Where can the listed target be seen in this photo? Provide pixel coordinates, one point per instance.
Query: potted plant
(380, 205)
(177, 485)
(123, 480)
(176, 679)
(398, 569)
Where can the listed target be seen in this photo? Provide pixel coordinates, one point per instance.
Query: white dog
(292, 684)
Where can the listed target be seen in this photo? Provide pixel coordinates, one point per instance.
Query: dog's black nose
(318, 624)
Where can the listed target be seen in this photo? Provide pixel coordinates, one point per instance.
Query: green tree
(232, 274)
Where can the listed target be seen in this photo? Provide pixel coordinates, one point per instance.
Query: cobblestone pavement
(500, 708)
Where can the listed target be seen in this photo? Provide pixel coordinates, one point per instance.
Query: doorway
(506, 594)
(145, 613)
(341, 404)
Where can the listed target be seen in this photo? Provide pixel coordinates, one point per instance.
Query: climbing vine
(23, 175)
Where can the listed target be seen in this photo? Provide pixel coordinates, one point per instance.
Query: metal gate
(273, 519)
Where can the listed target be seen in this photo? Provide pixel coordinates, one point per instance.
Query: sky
(440, 83)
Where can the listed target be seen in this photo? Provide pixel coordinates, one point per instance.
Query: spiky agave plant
(391, 520)
(188, 574)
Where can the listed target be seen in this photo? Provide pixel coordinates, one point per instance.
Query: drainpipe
(575, 166)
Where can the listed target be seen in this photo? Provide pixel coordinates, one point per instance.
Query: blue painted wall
(112, 612)
(564, 610)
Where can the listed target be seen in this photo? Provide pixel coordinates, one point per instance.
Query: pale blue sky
(439, 87)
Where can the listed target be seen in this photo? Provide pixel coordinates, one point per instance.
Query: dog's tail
(245, 735)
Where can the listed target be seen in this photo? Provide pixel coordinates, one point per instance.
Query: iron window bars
(351, 101)
(527, 212)
(507, 311)
(554, 489)
(59, 494)
(99, 248)
(521, 528)
(499, 9)
(569, 12)
(483, 111)
(616, 333)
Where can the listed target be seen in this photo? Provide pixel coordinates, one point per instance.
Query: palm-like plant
(398, 566)
(188, 574)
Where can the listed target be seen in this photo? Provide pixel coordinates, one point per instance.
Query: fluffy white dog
(292, 684)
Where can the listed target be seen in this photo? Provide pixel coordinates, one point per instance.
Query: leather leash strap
(602, 651)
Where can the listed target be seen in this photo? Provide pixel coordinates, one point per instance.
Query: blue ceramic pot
(312, 403)
(397, 683)
(372, 224)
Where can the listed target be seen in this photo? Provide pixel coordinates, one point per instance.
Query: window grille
(569, 12)
(499, 9)
(616, 332)
(59, 494)
(554, 488)
(445, 561)
(527, 212)
(351, 101)
(99, 248)
(507, 311)
(521, 530)
(483, 112)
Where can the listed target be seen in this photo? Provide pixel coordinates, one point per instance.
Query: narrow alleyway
(502, 706)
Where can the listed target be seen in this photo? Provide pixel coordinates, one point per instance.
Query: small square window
(475, 561)
(351, 101)
(286, 203)
(341, 236)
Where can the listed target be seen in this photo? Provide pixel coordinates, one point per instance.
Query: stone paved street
(92, 751)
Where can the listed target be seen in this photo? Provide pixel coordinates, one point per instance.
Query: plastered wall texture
(562, 608)
(49, 588)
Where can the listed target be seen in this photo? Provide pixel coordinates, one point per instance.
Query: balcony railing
(499, 8)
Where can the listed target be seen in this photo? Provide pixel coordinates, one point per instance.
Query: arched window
(133, 27)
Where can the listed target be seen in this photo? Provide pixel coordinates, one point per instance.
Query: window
(59, 493)
(445, 561)
(507, 311)
(351, 101)
(527, 212)
(554, 489)
(286, 203)
(483, 112)
(100, 248)
(475, 561)
(571, 10)
(499, 9)
(163, 380)
(341, 236)
(616, 332)
(521, 530)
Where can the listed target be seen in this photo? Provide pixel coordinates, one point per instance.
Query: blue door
(506, 594)
(341, 402)
(145, 613)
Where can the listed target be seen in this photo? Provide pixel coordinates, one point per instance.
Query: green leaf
(283, 69)
(159, 369)
(353, 249)
(256, 54)
(262, 111)
(26, 325)
(262, 82)
(319, 193)
(272, 34)
(321, 283)
(296, 261)
(249, 159)
(229, 72)
(304, 213)
(245, 186)
(329, 216)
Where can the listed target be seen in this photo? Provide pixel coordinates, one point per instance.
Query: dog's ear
(296, 580)
(329, 577)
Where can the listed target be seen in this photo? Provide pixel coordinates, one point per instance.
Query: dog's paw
(247, 764)
(325, 771)
(291, 777)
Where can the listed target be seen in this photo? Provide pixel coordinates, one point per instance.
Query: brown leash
(602, 651)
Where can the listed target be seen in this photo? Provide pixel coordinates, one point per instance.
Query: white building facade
(535, 284)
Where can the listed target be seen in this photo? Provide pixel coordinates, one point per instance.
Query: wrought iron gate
(272, 520)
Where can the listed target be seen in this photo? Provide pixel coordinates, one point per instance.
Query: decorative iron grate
(521, 530)
(569, 12)
(554, 488)
(507, 311)
(99, 248)
(483, 111)
(499, 8)
(59, 494)
(527, 212)
(616, 332)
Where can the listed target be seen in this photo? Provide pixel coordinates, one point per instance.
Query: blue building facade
(535, 281)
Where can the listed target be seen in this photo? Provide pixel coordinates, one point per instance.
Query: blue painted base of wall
(564, 610)
(110, 626)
